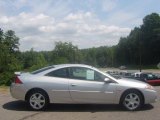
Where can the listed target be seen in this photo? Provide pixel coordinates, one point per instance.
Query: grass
(4, 89)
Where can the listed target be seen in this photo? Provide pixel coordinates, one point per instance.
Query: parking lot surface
(12, 109)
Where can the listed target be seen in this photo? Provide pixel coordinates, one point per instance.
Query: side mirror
(107, 80)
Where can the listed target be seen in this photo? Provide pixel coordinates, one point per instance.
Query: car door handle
(73, 85)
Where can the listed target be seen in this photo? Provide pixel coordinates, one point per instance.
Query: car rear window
(63, 73)
(41, 70)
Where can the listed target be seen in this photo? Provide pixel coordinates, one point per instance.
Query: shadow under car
(23, 106)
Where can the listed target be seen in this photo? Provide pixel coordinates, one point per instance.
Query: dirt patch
(4, 89)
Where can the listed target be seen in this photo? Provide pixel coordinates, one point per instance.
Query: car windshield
(41, 70)
(151, 76)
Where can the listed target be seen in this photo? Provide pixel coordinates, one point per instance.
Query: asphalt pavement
(12, 109)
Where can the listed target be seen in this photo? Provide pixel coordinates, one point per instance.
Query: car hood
(131, 82)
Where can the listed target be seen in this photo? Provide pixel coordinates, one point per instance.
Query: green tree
(142, 44)
(33, 60)
(9, 63)
(65, 53)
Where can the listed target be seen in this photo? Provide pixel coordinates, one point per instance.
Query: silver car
(79, 84)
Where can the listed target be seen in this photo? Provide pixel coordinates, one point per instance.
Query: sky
(85, 23)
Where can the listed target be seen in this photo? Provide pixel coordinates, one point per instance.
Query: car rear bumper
(17, 91)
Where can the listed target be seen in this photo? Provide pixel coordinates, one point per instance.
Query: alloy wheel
(132, 101)
(37, 101)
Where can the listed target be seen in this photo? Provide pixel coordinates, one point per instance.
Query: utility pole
(140, 53)
(140, 59)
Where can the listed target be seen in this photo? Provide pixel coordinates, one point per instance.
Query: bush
(6, 78)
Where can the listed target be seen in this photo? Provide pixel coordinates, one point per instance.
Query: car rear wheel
(38, 100)
(132, 100)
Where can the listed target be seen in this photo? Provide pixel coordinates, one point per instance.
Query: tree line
(141, 46)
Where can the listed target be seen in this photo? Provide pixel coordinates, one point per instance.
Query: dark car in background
(149, 78)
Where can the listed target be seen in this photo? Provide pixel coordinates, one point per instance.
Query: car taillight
(17, 80)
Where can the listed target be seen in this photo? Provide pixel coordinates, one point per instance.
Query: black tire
(38, 100)
(132, 100)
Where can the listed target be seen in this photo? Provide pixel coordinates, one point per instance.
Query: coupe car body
(79, 84)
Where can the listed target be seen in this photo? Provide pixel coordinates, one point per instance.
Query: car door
(88, 86)
(58, 86)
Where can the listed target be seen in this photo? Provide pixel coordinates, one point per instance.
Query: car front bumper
(151, 96)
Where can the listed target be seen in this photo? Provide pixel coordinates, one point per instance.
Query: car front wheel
(132, 100)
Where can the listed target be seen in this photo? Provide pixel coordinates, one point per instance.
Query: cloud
(78, 16)
(40, 31)
(4, 20)
(86, 23)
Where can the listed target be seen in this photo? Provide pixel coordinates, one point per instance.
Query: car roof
(54, 67)
(71, 65)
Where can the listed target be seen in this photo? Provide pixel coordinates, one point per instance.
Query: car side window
(85, 74)
(78, 73)
(99, 76)
(63, 73)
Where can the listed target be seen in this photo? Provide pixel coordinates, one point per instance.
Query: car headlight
(149, 87)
